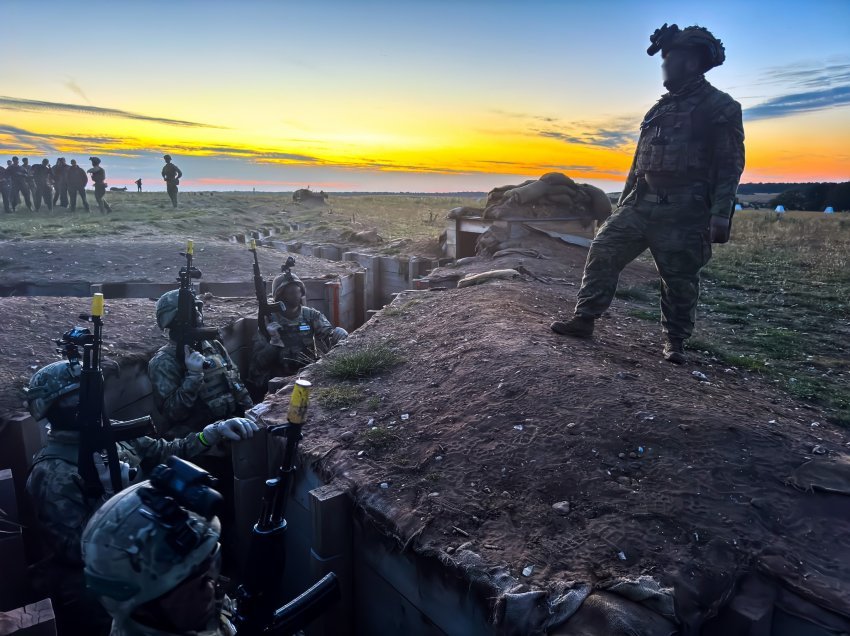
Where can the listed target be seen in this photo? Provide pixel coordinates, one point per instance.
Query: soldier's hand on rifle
(720, 227)
(273, 330)
(194, 360)
(103, 474)
(234, 429)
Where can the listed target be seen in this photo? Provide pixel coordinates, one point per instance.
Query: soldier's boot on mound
(674, 351)
(577, 326)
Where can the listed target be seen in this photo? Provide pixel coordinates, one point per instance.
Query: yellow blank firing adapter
(97, 305)
(298, 402)
(190, 246)
(253, 245)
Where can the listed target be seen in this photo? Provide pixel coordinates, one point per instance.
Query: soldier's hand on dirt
(194, 360)
(234, 429)
(720, 227)
(103, 474)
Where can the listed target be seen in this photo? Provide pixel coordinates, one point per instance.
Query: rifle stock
(189, 334)
(263, 307)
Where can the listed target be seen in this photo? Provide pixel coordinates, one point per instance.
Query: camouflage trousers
(676, 234)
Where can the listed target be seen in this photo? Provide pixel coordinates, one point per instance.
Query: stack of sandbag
(554, 195)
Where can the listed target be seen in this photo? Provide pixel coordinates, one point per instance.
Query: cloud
(808, 75)
(32, 105)
(785, 105)
(72, 86)
(619, 133)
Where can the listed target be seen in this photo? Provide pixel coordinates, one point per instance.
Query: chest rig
(675, 139)
(221, 382)
(298, 338)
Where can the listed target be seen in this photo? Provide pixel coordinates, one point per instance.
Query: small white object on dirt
(438, 458)
(483, 277)
(371, 421)
(405, 417)
(518, 427)
(621, 555)
(819, 450)
(433, 494)
(384, 485)
(700, 376)
(562, 507)
(528, 570)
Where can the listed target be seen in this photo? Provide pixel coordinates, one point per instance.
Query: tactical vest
(297, 338)
(675, 139)
(221, 382)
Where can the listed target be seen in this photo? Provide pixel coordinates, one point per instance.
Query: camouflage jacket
(56, 490)
(695, 134)
(220, 625)
(303, 340)
(188, 402)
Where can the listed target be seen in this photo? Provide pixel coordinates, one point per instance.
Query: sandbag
(483, 277)
(829, 475)
(600, 204)
(558, 178)
(528, 193)
(605, 614)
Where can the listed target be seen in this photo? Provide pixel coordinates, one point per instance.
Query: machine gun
(97, 434)
(258, 596)
(264, 309)
(186, 323)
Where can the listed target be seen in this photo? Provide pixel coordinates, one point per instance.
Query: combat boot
(577, 326)
(674, 351)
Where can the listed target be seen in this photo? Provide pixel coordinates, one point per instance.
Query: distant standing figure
(138, 185)
(60, 182)
(98, 177)
(18, 176)
(6, 190)
(172, 174)
(77, 180)
(43, 190)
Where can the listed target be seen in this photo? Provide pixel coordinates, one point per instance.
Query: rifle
(96, 432)
(259, 595)
(264, 309)
(186, 323)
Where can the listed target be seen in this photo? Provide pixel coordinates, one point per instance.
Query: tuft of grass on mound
(367, 361)
(378, 439)
(338, 397)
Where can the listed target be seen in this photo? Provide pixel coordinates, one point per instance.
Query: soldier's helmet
(50, 383)
(281, 281)
(44, 162)
(166, 308)
(167, 157)
(711, 49)
(137, 548)
(95, 160)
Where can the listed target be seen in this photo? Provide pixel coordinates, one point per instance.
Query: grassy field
(776, 301)
(220, 215)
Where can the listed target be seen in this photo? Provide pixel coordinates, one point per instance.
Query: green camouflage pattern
(188, 402)
(49, 384)
(677, 236)
(129, 561)
(303, 339)
(62, 510)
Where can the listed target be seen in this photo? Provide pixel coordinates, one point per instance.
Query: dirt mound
(546, 464)
(307, 197)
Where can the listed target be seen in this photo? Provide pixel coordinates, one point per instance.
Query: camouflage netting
(554, 195)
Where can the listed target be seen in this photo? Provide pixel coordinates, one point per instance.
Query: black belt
(674, 194)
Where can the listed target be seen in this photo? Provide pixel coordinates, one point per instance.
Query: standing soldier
(30, 178)
(139, 184)
(172, 175)
(98, 177)
(679, 195)
(43, 191)
(77, 180)
(19, 184)
(6, 189)
(60, 182)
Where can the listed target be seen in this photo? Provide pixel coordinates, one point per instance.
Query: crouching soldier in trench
(58, 494)
(298, 335)
(680, 192)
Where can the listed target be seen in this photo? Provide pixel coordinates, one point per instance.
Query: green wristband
(203, 439)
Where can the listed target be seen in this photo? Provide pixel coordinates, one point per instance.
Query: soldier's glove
(273, 329)
(234, 429)
(194, 360)
(103, 474)
(720, 228)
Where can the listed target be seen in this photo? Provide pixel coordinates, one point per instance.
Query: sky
(415, 96)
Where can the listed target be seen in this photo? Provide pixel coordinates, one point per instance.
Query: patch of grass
(644, 314)
(353, 365)
(337, 397)
(373, 403)
(378, 439)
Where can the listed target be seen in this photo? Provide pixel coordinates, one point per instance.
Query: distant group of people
(59, 185)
